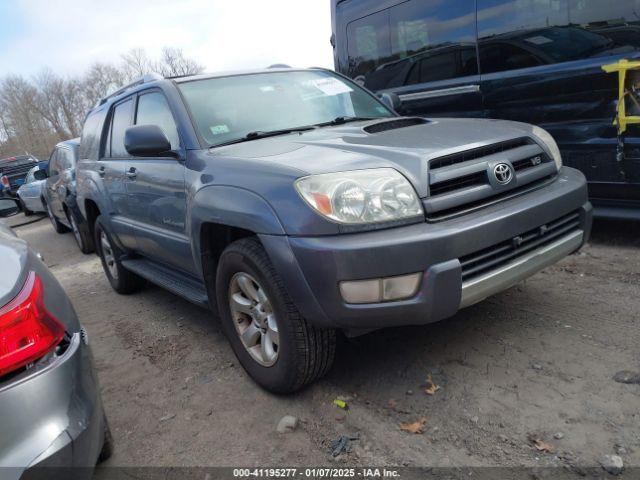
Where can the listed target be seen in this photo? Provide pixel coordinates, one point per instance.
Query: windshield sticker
(219, 129)
(539, 40)
(267, 88)
(331, 86)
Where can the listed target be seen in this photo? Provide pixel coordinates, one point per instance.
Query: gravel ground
(535, 363)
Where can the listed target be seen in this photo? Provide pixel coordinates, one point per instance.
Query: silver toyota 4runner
(295, 203)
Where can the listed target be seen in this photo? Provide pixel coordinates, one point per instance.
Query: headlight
(546, 137)
(361, 196)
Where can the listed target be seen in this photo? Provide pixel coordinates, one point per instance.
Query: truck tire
(279, 349)
(122, 280)
(57, 226)
(80, 232)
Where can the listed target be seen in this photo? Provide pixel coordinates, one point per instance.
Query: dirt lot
(536, 362)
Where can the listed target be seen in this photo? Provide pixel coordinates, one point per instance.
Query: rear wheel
(80, 233)
(121, 280)
(279, 349)
(57, 226)
(23, 207)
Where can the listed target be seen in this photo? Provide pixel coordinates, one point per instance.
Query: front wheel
(279, 349)
(121, 280)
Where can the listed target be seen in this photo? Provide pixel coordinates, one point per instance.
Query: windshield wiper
(263, 134)
(342, 120)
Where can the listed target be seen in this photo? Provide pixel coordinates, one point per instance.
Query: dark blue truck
(13, 171)
(296, 204)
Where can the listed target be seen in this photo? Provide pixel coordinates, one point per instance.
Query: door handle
(101, 171)
(131, 173)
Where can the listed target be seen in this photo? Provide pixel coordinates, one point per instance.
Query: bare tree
(173, 63)
(36, 114)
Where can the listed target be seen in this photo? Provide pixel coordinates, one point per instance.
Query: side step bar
(182, 285)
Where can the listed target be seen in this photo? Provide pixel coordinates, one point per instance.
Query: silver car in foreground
(52, 423)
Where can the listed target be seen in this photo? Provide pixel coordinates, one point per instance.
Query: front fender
(231, 206)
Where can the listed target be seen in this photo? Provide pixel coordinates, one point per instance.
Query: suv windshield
(229, 108)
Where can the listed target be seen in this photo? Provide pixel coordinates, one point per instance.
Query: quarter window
(121, 120)
(153, 109)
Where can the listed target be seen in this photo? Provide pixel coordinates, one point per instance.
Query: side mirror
(391, 100)
(146, 141)
(40, 175)
(8, 207)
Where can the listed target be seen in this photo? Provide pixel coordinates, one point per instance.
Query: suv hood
(350, 147)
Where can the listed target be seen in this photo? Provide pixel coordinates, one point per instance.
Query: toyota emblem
(503, 173)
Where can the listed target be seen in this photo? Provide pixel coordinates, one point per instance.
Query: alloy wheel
(108, 255)
(254, 319)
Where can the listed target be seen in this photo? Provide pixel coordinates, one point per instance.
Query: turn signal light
(27, 330)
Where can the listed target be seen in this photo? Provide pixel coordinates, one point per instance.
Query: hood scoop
(395, 124)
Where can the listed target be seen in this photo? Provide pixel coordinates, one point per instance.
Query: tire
(303, 353)
(57, 226)
(107, 444)
(80, 232)
(23, 207)
(122, 280)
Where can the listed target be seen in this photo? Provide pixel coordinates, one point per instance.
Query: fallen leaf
(414, 427)
(431, 387)
(542, 446)
(340, 404)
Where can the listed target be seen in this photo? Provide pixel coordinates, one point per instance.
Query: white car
(30, 193)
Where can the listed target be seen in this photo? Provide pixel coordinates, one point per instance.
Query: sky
(67, 36)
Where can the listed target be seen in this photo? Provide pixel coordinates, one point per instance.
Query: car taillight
(27, 330)
(5, 181)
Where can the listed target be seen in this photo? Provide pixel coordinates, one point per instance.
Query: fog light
(396, 288)
(380, 289)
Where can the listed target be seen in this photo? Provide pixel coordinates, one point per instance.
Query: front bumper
(52, 420)
(312, 267)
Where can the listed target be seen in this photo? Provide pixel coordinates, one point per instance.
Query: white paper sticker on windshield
(219, 129)
(538, 40)
(331, 86)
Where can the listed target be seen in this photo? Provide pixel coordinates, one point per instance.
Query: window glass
(524, 33)
(415, 41)
(120, 122)
(54, 163)
(368, 43)
(228, 108)
(29, 178)
(153, 109)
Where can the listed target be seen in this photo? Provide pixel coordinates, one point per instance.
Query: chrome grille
(502, 253)
(465, 180)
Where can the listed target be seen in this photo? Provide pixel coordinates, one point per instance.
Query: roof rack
(150, 77)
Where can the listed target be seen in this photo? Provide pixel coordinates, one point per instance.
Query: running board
(178, 283)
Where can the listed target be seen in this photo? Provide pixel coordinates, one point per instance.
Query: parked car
(297, 203)
(13, 170)
(60, 194)
(50, 407)
(533, 61)
(30, 194)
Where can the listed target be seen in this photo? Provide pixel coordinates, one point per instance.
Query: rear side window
(525, 33)
(413, 42)
(91, 133)
(54, 163)
(153, 109)
(120, 121)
